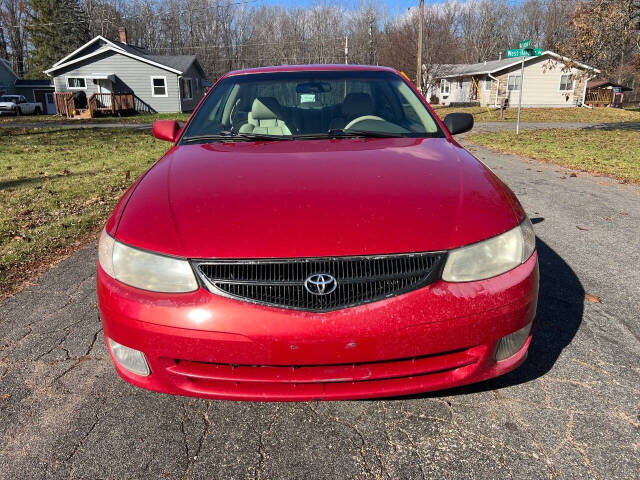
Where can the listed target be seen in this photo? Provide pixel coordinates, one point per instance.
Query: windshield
(286, 105)
(5, 99)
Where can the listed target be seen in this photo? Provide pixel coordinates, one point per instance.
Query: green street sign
(524, 52)
(525, 44)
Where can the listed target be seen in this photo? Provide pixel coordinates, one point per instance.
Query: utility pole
(419, 69)
(346, 49)
(371, 42)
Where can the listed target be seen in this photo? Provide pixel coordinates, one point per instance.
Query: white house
(550, 80)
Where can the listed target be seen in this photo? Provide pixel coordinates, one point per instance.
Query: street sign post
(524, 51)
(520, 96)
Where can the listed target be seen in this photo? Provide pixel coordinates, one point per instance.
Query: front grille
(359, 280)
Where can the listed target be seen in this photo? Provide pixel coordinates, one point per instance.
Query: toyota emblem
(320, 284)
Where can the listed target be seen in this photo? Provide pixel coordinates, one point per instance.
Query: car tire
(17, 112)
(37, 111)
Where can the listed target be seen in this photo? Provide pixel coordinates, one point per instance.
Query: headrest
(357, 105)
(265, 108)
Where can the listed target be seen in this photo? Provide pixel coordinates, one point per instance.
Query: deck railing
(64, 103)
(111, 103)
(105, 103)
(601, 95)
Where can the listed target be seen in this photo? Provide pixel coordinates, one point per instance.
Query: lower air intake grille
(320, 284)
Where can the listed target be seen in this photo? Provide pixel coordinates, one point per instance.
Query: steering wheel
(362, 119)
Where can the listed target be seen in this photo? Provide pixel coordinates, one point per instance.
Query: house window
(159, 87)
(566, 83)
(514, 82)
(185, 89)
(76, 83)
(444, 87)
(487, 84)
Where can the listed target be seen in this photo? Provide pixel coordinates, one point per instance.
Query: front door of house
(50, 103)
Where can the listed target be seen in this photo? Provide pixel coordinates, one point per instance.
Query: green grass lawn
(139, 118)
(548, 115)
(57, 188)
(614, 153)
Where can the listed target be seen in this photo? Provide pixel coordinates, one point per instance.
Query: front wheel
(17, 112)
(37, 111)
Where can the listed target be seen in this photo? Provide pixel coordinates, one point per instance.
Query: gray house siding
(131, 75)
(197, 76)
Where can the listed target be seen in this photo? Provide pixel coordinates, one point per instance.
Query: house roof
(173, 63)
(179, 62)
(492, 66)
(33, 83)
(5, 63)
(603, 83)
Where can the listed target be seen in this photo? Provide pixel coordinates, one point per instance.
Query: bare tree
(13, 15)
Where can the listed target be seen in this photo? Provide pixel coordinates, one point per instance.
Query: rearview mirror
(458, 122)
(313, 87)
(166, 130)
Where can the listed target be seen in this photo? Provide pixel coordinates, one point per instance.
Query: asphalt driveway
(571, 411)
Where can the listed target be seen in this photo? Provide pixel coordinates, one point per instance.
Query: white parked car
(18, 105)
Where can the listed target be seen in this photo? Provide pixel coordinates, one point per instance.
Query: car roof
(311, 68)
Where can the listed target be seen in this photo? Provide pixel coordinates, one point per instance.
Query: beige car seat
(355, 105)
(265, 117)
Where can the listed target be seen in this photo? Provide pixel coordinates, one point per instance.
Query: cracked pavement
(571, 411)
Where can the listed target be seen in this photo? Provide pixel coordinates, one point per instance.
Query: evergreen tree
(56, 28)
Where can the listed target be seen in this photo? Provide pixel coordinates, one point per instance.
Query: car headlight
(491, 257)
(145, 270)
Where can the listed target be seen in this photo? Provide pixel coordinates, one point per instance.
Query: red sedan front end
(329, 241)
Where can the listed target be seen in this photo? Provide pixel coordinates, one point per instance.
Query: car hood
(316, 198)
(7, 104)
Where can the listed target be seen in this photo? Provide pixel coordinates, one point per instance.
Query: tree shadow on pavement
(560, 310)
(615, 126)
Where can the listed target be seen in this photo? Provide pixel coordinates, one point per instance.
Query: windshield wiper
(340, 133)
(227, 135)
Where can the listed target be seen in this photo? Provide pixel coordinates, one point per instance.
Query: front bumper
(204, 345)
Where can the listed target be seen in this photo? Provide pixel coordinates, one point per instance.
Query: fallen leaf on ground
(582, 228)
(5, 396)
(592, 298)
(573, 175)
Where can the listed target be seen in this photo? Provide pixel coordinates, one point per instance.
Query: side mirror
(166, 130)
(458, 122)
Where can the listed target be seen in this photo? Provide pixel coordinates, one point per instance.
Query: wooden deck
(599, 96)
(97, 104)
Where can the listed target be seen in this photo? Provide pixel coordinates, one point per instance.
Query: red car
(315, 232)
